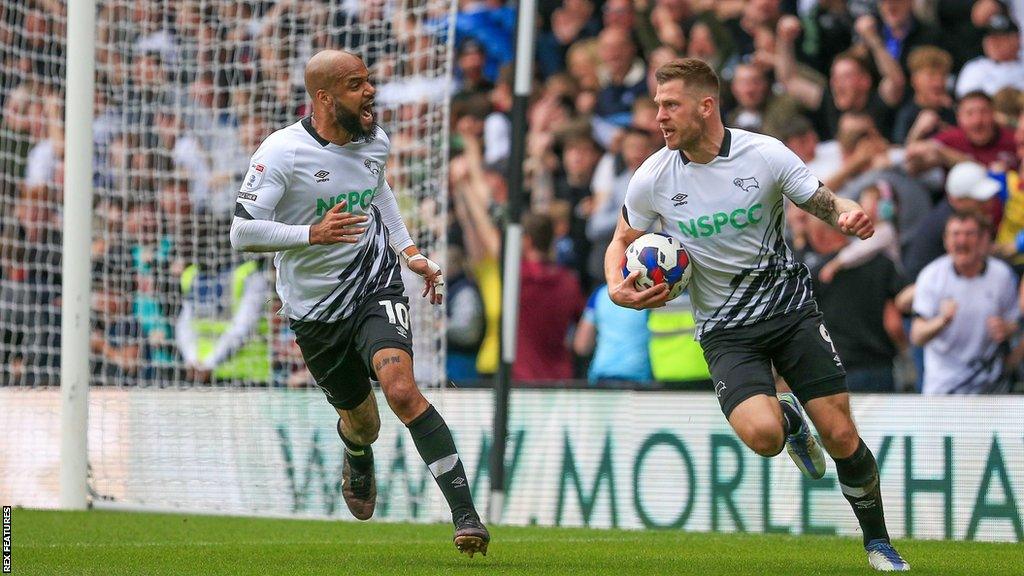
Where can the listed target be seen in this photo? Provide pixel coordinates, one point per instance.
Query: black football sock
(434, 442)
(791, 420)
(858, 479)
(360, 456)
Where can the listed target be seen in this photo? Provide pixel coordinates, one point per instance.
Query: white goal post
(76, 296)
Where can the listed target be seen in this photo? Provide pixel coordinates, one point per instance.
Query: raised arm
(806, 92)
(845, 215)
(473, 189)
(893, 82)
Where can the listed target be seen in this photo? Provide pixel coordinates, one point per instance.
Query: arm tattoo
(822, 205)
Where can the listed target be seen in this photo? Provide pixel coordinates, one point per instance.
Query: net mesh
(185, 92)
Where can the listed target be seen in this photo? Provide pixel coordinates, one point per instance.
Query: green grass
(111, 543)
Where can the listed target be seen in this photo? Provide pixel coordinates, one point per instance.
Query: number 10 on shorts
(398, 313)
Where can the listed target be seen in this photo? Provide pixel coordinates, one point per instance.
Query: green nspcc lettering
(704, 223)
(323, 205)
(713, 224)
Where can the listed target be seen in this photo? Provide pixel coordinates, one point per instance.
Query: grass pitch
(112, 543)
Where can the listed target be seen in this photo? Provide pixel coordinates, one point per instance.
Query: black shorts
(339, 354)
(799, 346)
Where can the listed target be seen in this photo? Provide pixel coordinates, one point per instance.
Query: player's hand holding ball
(655, 270)
(337, 226)
(855, 223)
(627, 295)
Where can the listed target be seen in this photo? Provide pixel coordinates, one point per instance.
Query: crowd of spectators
(185, 93)
(914, 109)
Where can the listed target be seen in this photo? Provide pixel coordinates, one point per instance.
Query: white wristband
(432, 267)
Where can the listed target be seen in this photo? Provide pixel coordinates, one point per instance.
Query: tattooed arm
(845, 215)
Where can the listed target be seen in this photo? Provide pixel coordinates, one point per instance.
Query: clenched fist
(855, 223)
(788, 28)
(866, 27)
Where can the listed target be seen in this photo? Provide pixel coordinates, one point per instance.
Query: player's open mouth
(367, 112)
(666, 132)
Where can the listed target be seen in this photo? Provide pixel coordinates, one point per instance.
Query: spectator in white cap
(968, 188)
(1001, 65)
(965, 307)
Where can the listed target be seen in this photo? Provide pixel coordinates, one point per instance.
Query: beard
(689, 141)
(352, 122)
(691, 138)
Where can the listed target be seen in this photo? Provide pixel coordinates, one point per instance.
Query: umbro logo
(459, 482)
(747, 184)
(321, 176)
(679, 199)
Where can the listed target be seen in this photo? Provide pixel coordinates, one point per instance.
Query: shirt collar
(307, 123)
(723, 150)
(984, 267)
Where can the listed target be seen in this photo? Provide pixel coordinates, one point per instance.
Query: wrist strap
(413, 258)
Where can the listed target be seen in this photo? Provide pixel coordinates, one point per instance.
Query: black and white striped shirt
(294, 178)
(729, 215)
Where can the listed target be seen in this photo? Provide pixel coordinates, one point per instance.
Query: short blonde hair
(1008, 101)
(856, 56)
(583, 48)
(693, 72)
(929, 58)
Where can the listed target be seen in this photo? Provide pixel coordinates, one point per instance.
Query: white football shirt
(729, 216)
(295, 177)
(963, 358)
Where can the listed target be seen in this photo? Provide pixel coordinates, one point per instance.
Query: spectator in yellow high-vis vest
(675, 355)
(222, 330)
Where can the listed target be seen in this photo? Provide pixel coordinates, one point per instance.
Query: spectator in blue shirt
(618, 338)
(493, 26)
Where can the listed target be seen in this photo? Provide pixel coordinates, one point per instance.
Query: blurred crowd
(912, 108)
(185, 93)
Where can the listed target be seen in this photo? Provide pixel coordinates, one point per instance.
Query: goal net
(199, 397)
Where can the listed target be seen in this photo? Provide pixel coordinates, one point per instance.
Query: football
(660, 259)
